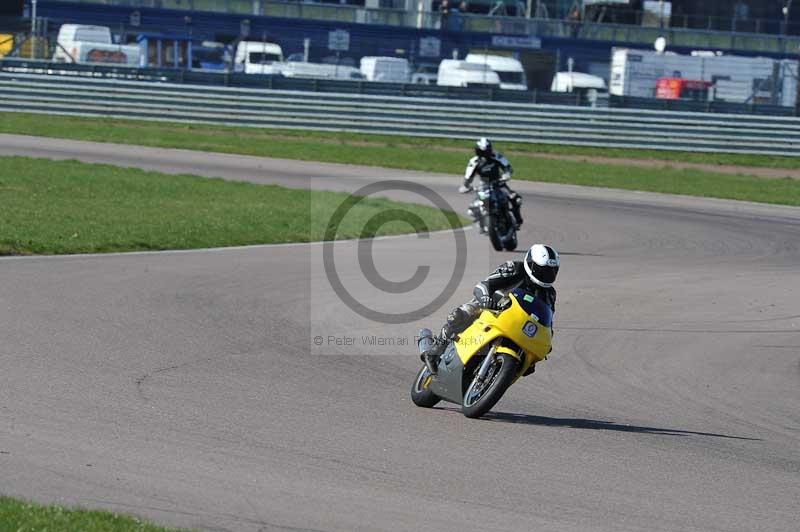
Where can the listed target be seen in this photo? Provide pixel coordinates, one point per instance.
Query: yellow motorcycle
(480, 364)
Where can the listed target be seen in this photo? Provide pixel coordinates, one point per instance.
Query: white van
(255, 57)
(387, 69)
(455, 73)
(92, 44)
(509, 70)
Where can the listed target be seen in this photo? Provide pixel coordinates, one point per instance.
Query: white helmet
(541, 265)
(483, 147)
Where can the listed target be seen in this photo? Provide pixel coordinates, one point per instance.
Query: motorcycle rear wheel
(477, 401)
(420, 393)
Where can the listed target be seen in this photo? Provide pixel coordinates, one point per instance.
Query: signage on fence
(430, 47)
(507, 41)
(339, 40)
(600, 2)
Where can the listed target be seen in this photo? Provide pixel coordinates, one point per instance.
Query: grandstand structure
(709, 24)
(548, 36)
(553, 36)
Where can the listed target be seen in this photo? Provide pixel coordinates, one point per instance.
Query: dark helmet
(483, 147)
(541, 265)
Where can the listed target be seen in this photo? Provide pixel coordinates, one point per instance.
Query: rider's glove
(463, 189)
(487, 302)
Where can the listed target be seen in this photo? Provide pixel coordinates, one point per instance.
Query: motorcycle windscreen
(536, 307)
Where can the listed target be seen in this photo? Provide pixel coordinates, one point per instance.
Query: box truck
(733, 78)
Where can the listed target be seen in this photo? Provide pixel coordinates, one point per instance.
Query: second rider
(489, 165)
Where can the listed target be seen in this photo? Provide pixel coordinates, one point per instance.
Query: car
(425, 75)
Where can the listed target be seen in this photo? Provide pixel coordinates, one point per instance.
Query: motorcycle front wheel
(511, 242)
(489, 223)
(481, 396)
(420, 393)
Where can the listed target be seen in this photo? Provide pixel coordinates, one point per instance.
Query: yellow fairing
(6, 43)
(512, 324)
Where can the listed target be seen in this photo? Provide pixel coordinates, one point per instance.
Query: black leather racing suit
(508, 276)
(490, 169)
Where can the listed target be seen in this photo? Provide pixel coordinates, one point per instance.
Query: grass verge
(19, 516)
(432, 155)
(283, 142)
(55, 207)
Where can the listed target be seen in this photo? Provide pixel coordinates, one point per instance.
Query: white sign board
(339, 40)
(506, 41)
(430, 47)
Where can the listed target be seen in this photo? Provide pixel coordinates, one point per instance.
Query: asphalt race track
(187, 387)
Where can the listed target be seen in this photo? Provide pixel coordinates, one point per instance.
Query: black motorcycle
(491, 210)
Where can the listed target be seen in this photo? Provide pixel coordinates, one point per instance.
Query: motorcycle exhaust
(425, 341)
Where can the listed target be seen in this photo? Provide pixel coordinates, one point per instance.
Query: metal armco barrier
(385, 115)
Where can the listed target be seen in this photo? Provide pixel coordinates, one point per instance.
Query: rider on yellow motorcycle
(536, 273)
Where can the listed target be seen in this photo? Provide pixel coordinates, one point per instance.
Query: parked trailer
(300, 69)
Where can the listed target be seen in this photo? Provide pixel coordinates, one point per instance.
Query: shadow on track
(594, 424)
